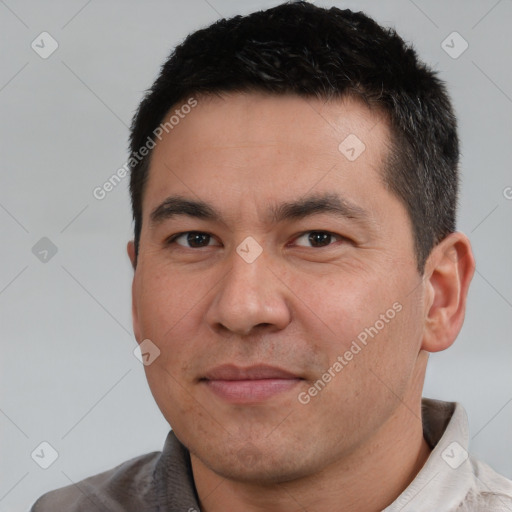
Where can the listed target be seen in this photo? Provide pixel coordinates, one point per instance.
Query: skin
(358, 443)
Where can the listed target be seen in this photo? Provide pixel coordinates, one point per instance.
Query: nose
(251, 297)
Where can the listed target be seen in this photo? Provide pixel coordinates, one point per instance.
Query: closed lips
(257, 372)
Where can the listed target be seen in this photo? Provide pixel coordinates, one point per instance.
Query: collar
(447, 476)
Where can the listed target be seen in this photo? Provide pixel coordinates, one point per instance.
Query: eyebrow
(329, 203)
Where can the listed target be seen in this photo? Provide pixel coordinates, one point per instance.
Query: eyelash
(172, 239)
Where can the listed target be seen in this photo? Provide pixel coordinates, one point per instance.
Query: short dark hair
(299, 48)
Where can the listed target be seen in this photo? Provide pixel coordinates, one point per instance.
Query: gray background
(68, 374)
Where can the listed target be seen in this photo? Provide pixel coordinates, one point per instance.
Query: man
(294, 187)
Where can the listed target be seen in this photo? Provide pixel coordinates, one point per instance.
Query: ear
(130, 248)
(135, 318)
(448, 273)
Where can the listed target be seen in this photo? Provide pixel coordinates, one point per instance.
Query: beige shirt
(451, 480)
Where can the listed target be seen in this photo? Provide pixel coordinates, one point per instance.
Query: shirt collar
(173, 476)
(447, 476)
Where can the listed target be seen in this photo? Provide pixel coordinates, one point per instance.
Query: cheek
(390, 344)
(344, 305)
(169, 313)
(368, 321)
(164, 298)
(171, 395)
(371, 362)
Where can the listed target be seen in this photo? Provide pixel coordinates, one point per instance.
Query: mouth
(249, 385)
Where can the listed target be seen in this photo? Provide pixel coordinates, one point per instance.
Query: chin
(251, 464)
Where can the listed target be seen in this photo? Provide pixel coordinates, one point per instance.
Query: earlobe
(448, 273)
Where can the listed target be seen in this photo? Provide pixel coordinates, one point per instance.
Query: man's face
(219, 310)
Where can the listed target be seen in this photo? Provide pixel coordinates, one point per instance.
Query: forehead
(247, 119)
(257, 147)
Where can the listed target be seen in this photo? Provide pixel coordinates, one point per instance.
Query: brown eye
(318, 239)
(193, 239)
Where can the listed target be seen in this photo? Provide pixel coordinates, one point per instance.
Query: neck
(369, 479)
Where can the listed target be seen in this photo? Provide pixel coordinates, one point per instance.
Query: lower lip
(244, 391)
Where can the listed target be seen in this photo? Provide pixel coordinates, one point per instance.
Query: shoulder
(491, 492)
(126, 487)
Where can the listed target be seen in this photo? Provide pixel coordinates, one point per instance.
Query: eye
(319, 238)
(196, 239)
